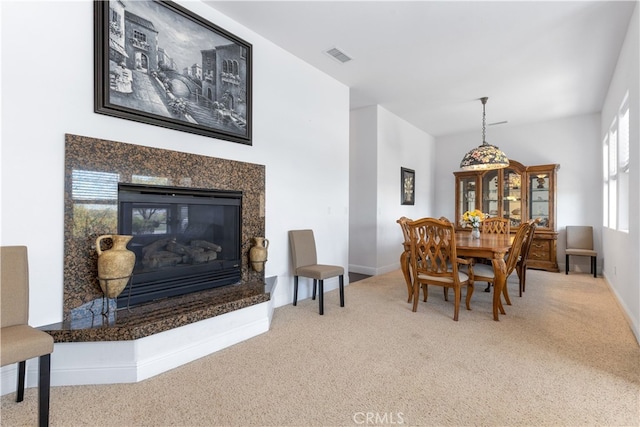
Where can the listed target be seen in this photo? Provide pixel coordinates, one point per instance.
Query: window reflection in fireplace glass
(147, 220)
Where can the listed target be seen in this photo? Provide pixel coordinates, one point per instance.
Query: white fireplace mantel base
(111, 362)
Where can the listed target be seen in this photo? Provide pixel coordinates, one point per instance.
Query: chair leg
(22, 367)
(341, 291)
(314, 289)
(44, 387)
(295, 290)
(456, 303)
(566, 264)
(593, 266)
(320, 295)
(505, 291)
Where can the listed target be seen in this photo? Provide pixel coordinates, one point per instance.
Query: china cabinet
(518, 193)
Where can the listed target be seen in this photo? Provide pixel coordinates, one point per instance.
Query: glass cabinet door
(467, 194)
(539, 186)
(512, 197)
(490, 199)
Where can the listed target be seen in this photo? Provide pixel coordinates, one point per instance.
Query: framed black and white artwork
(158, 63)
(407, 186)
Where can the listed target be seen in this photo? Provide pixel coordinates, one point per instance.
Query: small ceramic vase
(115, 265)
(258, 253)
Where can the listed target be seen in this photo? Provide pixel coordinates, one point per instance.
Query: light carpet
(563, 355)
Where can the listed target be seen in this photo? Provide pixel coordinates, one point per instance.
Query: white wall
(300, 132)
(622, 250)
(363, 191)
(381, 145)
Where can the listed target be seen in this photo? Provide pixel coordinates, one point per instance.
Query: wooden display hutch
(518, 193)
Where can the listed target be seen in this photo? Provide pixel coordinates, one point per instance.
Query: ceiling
(429, 62)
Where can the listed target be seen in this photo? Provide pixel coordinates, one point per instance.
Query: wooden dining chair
(521, 265)
(496, 225)
(434, 261)
(405, 256)
(485, 273)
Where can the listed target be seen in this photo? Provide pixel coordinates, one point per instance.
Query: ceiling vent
(338, 55)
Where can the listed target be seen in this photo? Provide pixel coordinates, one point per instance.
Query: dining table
(489, 246)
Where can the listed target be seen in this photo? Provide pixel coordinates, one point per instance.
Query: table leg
(500, 273)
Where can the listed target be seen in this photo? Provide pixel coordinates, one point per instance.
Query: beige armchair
(305, 264)
(19, 341)
(580, 243)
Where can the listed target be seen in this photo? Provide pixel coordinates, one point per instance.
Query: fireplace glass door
(185, 240)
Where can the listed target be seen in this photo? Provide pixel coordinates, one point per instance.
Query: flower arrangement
(473, 218)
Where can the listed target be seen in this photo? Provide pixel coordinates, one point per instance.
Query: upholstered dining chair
(434, 261)
(580, 243)
(485, 273)
(19, 341)
(496, 225)
(521, 265)
(305, 264)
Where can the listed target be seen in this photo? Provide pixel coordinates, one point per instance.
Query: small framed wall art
(407, 186)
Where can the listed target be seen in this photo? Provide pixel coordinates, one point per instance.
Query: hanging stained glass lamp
(486, 156)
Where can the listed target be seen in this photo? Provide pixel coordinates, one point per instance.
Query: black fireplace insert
(185, 240)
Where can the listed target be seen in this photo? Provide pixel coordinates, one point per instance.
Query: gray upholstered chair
(580, 243)
(305, 264)
(19, 341)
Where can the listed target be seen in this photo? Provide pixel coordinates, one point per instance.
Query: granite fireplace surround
(83, 307)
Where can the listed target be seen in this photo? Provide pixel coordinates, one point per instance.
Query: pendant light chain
(484, 120)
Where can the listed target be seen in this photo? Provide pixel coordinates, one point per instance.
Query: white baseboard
(373, 271)
(111, 362)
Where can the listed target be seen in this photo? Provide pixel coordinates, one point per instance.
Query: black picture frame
(160, 64)
(407, 186)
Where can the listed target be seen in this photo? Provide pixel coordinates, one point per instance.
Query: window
(623, 167)
(605, 178)
(141, 37)
(615, 160)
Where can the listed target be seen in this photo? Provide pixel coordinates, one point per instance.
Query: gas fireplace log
(205, 256)
(179, 248)
(206, 245)
(162, 259)
(155, 246)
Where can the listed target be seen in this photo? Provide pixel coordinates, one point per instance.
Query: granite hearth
(90, 212)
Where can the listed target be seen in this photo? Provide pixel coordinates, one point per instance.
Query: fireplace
(97, 170)
(185, 240)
